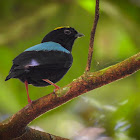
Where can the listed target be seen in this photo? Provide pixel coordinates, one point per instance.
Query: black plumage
(53, 65)
(49, 60)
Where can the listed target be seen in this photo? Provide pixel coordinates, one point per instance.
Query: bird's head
(65, 36)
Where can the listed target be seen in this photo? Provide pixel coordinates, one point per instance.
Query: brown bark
(16, 125)
(32, 134)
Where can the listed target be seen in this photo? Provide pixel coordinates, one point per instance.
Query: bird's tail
(7, 78)
(14, 73)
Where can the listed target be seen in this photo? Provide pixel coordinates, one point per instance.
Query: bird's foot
(51, 83)
(29, 101)
(56, 88)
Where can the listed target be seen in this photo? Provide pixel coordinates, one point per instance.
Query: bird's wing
(51, 59)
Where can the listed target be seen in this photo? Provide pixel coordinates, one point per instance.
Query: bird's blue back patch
(48, 46)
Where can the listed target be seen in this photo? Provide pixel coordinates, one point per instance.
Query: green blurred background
(114, 107)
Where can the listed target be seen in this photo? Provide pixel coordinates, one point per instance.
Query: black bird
(46, 63)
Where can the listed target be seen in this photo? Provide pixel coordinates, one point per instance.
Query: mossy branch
(17, 124)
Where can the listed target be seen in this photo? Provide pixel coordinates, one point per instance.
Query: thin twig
(92, 36)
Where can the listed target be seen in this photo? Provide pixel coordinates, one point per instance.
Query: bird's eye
(67, 32)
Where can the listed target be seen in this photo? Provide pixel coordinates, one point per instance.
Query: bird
(46, 63)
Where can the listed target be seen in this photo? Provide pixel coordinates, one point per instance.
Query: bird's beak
(79, 35)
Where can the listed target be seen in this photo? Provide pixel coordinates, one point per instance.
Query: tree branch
(32, 134)
(16, 127)
(92, 36)
(88, 81)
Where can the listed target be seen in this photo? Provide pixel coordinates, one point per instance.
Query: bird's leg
(26, 86)
(50, 82)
